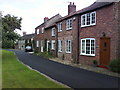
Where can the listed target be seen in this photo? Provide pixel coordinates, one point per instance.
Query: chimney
(71, 8)
(45, 19)
(24, 33)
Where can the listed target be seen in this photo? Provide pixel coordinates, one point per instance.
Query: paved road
(71, 76)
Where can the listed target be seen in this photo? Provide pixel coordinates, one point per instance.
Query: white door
(48, 45)
(42, 46)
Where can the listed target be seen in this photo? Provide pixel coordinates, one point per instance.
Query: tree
(9, 25)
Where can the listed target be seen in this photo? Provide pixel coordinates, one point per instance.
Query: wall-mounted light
(103, 34)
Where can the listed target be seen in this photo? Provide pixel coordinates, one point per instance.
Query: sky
(34, 11)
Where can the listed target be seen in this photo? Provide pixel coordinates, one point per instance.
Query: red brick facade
(106, 21)
(107, 26)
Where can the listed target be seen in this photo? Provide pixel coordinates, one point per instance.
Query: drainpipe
(56, 52)
(78, 35)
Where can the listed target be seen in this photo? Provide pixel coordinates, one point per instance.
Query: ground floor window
(53, 44)
(59, 45)
(68, 46)
(88, 46)
(37, 44)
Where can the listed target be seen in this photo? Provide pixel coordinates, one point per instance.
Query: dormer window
(88, 19)
(69, 24)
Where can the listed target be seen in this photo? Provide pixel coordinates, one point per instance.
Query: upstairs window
(68, 46)
(37, 31)
(42, 30)
(60, 27)
(88, 19)
(88, 46)
(68, 24)
(53, 31)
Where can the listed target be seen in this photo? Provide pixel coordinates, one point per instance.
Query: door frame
(101, 50)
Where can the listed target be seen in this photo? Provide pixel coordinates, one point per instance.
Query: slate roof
(50, 22)
(28, 36)
(94, 6)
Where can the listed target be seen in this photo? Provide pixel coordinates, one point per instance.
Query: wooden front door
(104, 50)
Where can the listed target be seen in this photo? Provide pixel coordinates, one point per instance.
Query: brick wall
(69, 35)
(106, 22)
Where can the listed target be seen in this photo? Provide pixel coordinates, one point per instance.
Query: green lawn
(17, 75)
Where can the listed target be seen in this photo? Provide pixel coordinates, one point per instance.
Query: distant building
(46, 35)
(26, 40)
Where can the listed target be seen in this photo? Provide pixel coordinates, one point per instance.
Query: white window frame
(53, 32)
(91, 24)
(38, 31)
(37, 43)
(42, 31)
(53, 45)
(60, 27)
(69, 24)
(59, 45)
(68, 46)
(81, 53)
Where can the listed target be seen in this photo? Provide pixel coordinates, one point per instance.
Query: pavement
(71, 76)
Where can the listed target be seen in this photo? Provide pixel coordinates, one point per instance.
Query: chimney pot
(24, 33)
(71, 8)
(45, 19)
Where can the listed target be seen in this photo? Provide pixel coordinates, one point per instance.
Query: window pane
(88, 19)
(83, 20)
(87, 46)
(83, 46)
(60, 45)
(92, 46)
(70, 23)
(93, 18)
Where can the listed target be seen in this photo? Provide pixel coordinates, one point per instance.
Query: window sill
(68, 29)
(59, 51)
(82, 26)
(60, 31)
(87, 55)
(68, 52)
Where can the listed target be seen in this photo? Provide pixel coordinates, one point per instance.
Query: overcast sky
(34, 11)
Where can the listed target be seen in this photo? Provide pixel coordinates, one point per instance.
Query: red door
(104, 50)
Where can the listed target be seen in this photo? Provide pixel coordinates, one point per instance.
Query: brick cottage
(92, 33)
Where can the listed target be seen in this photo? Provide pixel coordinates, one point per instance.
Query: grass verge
(16, 75)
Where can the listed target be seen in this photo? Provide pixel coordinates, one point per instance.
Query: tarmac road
(71, 76)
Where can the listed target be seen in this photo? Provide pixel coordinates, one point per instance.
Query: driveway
(71, 76)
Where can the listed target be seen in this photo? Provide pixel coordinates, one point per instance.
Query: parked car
(28, 49)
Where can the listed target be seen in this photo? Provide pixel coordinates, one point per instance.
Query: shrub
(115, 65)
(95, 62)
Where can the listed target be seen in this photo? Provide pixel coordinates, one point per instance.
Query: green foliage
(7, 44)
(17, 75)
(115, 65)
(9, 25)
(46, 54)
(95, 62)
